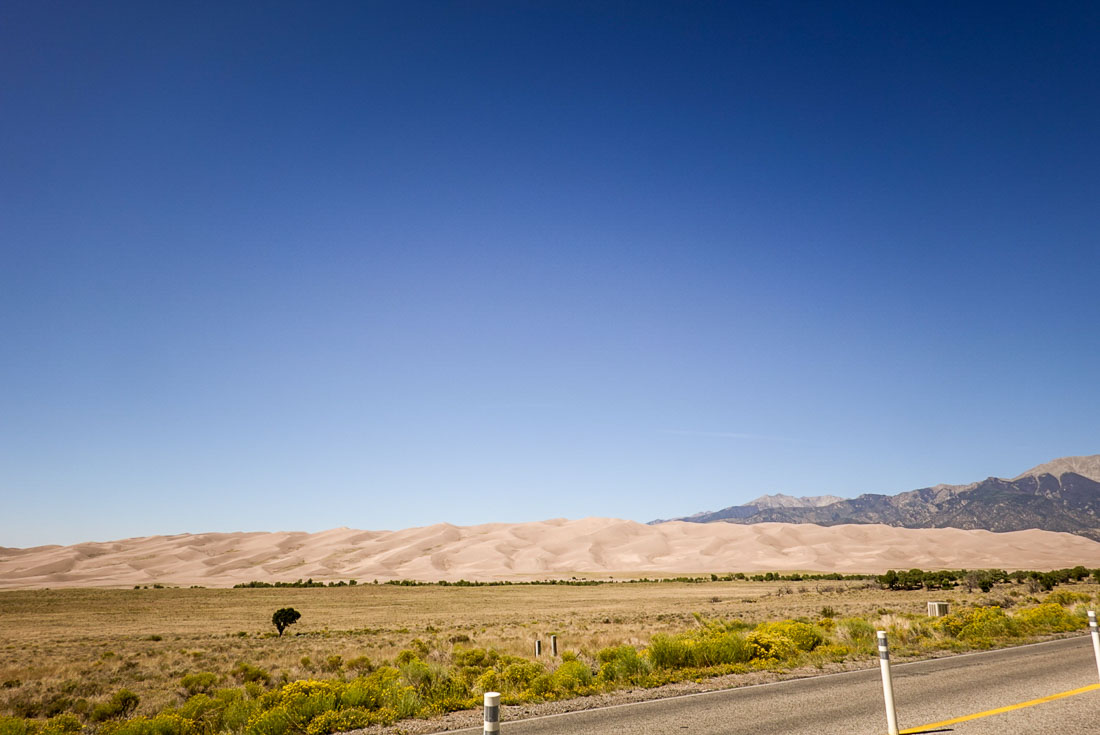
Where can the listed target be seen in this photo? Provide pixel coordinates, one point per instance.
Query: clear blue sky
(296, 266)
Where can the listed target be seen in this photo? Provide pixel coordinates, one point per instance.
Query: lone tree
(283, 617)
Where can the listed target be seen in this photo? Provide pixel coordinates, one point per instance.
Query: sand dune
(523, 551)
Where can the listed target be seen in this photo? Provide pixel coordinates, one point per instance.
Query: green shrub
(622, 664)
(17, 726)
(162, 724)
(268, 722)
(858, 634)
(832, 652)
(382, 692)
(63, 724)
(475, 657)
(342, 721)
(727, 647)
(225, 710)
(378, 689)
(1067, 598)
(416, 673)
(304, 700)
(488, 682)
(246, 672)
(117, 707)
(669, 652)
(360, 664)
(542, 685)
(405, 656)
(714, 645)
(980, 625)
(806, 637)
(200, 683)
(522, 674)
(237, 713)
(571, 677)
(1050, 617)
(202, 708)
(404, 702)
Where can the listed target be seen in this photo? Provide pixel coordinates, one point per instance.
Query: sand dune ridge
(554, 548)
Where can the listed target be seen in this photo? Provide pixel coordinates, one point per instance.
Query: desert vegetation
(200, 662)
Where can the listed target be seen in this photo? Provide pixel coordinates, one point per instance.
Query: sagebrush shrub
(668, 652)
(522, 674)
(1067, 598)
(272, 721)
(360, 664)
(341, 721)
(1050, 617)
(622, 664)
(416, 673)
(979, 624)
(246, 672)
(162, 724)
(63, 724)
(571, 677)
(475, 657)
(858, 634)
(17, 726)
(119, 706)
(199, 683)
(488, 682)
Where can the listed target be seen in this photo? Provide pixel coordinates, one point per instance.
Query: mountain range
(1061, 495)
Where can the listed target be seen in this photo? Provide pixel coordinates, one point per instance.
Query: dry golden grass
(72, 644)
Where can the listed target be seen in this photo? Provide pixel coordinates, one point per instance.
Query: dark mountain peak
(1061, 495)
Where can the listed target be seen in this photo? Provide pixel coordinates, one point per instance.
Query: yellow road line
(999, 710)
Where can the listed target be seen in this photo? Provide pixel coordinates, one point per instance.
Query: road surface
(926, 692)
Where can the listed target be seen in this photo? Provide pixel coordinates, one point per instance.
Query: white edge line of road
(792, 680)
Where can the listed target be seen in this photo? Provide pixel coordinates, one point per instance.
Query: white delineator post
(887, 683)
(553, 645)
(1095, 638)
(492, 713)
(538, 648)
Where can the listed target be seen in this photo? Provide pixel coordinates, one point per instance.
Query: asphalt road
(926, 692)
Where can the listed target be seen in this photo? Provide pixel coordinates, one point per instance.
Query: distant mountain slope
(1084, 466)
(751, 508)
(779, 500)
(1062, 495)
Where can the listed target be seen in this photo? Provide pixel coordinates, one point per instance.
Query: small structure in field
(937, 609)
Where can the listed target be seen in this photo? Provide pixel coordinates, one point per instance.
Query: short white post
(1095, 638)
(553, 645)
(887, 683)
(492, 713)
(538, 648)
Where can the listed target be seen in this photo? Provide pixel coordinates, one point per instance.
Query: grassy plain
(58, 647)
